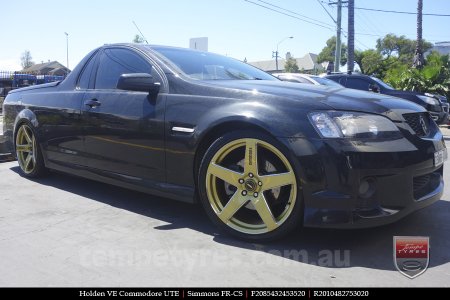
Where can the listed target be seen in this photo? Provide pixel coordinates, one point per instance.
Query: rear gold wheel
(28, 155)
(250, 186)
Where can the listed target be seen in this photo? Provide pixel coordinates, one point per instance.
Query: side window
(358, 84)
(302, 80)
(295, 79)
(115, 62)
(84, 82)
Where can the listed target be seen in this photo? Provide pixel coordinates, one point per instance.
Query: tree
(138, 39)
(26, 60)
(291, 66)
(434, 77)
(418, 55)
(328, 52)
(370, 62)
(400, 47)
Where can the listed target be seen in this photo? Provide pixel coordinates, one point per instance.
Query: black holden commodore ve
(262, 156)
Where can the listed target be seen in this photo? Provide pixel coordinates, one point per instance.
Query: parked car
(438, 112)
(261, 155)
(305, 78)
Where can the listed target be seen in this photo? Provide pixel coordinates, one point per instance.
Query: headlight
(429, 100)
(335, 124)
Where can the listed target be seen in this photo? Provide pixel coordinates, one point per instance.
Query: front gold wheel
(250, 186)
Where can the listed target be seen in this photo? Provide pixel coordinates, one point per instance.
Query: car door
(124, 132)
(61, 120)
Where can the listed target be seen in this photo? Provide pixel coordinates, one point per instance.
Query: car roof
(347, 75)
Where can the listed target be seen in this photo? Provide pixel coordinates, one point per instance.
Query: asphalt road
(67, 231)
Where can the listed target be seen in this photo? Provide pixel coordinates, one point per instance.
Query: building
(442, 47)
(306, 64)
(48, 68)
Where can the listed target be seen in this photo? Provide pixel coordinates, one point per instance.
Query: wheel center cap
(250, 185)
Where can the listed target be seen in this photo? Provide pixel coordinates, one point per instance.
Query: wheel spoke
(27, 136)
(276, 180)
(28, 161)
(264, 212)
(233, 205)
(24, 148)
(251, 156)
(225, 174)
(34, 150)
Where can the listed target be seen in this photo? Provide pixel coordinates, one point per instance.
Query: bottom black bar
(235, 293)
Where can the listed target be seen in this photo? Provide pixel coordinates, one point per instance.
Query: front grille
(419, 122)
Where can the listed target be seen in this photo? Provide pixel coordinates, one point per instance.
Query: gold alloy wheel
(259, 199)
(26, 149)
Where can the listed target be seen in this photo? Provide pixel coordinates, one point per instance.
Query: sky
(237, 28)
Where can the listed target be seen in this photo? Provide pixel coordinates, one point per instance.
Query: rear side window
(115, 62)
(358, 84)
(84, 82)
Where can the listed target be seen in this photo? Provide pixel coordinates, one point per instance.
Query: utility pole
(418, 55)
(337, 53)
(351, 37)
(337, 58)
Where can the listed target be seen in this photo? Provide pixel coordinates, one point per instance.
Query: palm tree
(418, 55)
(351, 36)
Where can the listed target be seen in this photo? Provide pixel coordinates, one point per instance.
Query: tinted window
(85, 78)
(358, 84)
(209, 66)
(382, 83)
(325, 81)
(115, 62)
(295, 79)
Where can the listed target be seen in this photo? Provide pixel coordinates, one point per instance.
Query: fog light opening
(366, 188)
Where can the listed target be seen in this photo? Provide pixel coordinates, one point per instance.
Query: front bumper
(334, 174)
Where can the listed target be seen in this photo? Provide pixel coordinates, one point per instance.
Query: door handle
(92, 103)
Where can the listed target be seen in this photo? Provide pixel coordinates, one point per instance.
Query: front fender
(279, 122)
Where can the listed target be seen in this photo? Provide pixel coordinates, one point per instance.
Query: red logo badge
(411, 254)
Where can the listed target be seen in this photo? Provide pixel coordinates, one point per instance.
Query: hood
(403, 93)
(330, 97)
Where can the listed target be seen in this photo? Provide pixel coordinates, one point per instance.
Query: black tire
(28, 152)
(213, 191)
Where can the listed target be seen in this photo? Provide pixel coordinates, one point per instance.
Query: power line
(400, 12)
(293, 12)
(320, 2)
(330, 27)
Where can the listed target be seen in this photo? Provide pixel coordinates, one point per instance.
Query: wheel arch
(24, 116)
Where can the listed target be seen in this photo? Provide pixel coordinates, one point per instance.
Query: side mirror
(374, 88)
(139, 82)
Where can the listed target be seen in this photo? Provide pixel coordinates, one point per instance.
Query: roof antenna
(145, 40)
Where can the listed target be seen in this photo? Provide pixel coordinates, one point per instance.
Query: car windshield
(382, 83)
(325, 81)
(209, 66)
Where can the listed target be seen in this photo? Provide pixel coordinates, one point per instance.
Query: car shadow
(329, 248)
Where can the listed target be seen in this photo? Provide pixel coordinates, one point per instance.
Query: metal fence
(13, 80)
